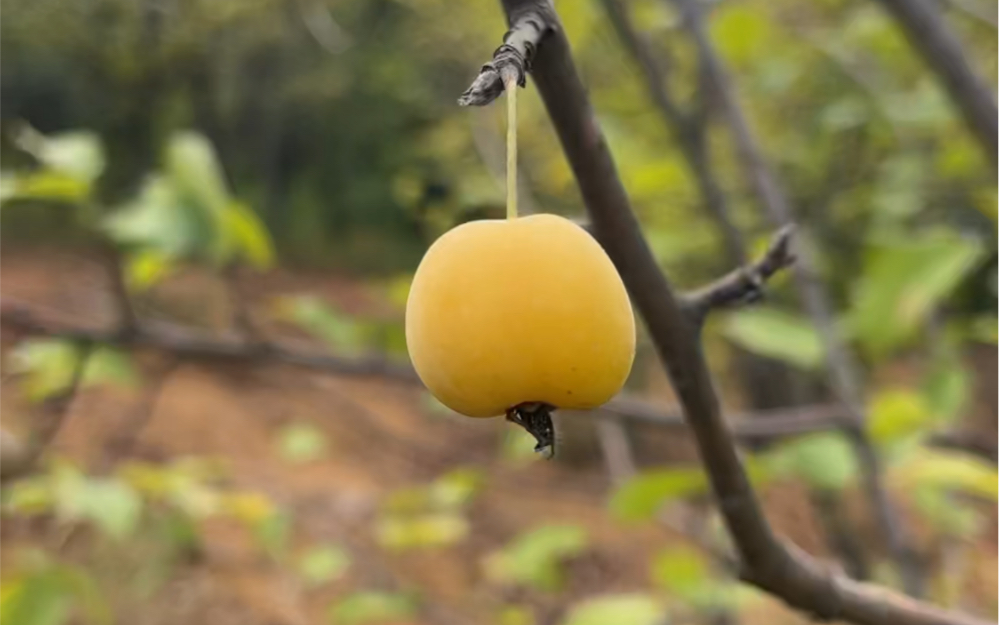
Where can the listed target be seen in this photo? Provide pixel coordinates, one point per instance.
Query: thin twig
(745, 284)
(688, 129)
(840, 362)
(978, 11)
(114, 268)
(941, 50)
(55, 412)
(242, 315)
(969, 442)
(768, 562)
(748, 427)
(512, 59)
(616, 447)
(186, 344)
(123, 442)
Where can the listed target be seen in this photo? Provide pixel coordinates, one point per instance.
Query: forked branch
(743, 285)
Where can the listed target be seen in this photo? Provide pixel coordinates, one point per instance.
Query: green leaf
(955, 472)
(46, 593)
(740, 32)
(114, 507)
(397, 290)
(194, 167)
(825, 461)
(421, 531)
(249, 235)
(896, 414)
(946, 513)
(28, 496)
(272, 534)
(249, 507)
(985, 329)
(903, 282)
(456, 488)
(159, 220)
(534, 558)
(45, 185)
(322, 564)
(110, 504)
(76, 153)
(110, 366)
(37, 599)
(365, 607)
(776, 334)
(641, 496)
(517, 446)
(947, 389)
(48, 366)
(622, 609)
(515, 615)
(301, 443)
(318, 318)
(146, 267)
(681, 571)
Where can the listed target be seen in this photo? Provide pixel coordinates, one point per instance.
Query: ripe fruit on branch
(519, 317)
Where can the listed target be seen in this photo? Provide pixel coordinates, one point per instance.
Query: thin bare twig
(114, 269)
(616, 447)
(968, 442)
(748, 427)
(688, 129)
(767, 562)
(122, 443)
(513, 59)
(55, 411)
(745, 284)
(840, 362)
(929, 35)
(182, 344)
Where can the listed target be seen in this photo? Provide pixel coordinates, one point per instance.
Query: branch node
(511, 61)
(744, 285)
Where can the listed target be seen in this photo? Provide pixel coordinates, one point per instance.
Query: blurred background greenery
(294, 158)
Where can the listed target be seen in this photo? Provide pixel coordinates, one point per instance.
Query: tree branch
(968, 442)
(840, 363)
(512, 59)
(748, 428)
(123, 442)
(55, 411)
(745, 284)
(768, 562)
(687, 129)
(186, 344)
(928, 33)
(616, 448)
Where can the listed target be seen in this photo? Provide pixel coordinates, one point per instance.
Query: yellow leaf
(249, 235)
(146, 268)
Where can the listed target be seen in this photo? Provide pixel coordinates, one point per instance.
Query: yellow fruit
(506, 312)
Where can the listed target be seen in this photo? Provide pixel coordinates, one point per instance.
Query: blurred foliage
(626, 609)
(372, 607)
(300, 443)
(322, 564)
(535, 558)
(326, 134)
(431, 515)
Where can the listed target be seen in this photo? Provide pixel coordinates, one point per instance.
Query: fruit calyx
(536, 418)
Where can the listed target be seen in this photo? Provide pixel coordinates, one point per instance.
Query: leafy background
(315, 149)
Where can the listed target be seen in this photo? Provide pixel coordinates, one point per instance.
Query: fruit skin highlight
(505, 312)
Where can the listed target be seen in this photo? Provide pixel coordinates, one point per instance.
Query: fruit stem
(511, 148)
